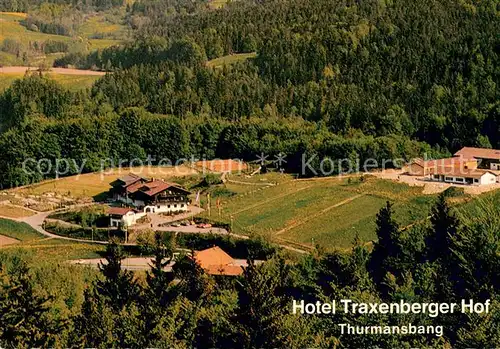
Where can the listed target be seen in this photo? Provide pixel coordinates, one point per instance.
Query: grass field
(14, 211)
(325, 212)
(17, 230)
(99, 25)
(10, 27)
(41, 247)
(230, 59)
(71, 82)
(216, 4)
(92, 184)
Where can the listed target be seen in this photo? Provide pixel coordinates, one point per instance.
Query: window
(168, 206)
(476, 180)
(182, 205)
(436, 176)
(175, 206)
(449, 179)
(158, 206)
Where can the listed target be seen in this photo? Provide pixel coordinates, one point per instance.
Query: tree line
(41, 120)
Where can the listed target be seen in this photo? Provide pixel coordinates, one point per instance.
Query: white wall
(167, 208)
(488, 178)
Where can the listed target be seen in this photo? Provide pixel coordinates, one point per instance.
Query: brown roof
(119, 211)
(460, 172)
(153, 187)
(446, 162)
(134, 187)
(130, 179)
(230, 270)
(479, 153)
(217, 262)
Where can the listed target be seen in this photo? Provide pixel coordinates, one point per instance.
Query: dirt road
(62, 71)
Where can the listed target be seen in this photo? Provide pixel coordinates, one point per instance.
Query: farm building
(122, 187)
(217, 262)
(420, 167)
(150, 196)
(123, 216)
(487, 158)
(464, 176)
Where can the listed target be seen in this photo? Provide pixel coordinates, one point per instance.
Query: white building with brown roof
(123, 216)
(150, 196)
(463, 176)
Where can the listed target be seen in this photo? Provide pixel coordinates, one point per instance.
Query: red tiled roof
(217, 262)
(230, 270)
(479, 153)
(120, 211)
(152, 188)
(134, 187)
(212, 256)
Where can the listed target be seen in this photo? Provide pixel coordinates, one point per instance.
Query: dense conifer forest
(380, 79)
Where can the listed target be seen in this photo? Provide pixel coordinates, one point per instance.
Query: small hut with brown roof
(217, 262)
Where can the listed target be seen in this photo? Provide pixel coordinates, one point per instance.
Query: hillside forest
(373, 79)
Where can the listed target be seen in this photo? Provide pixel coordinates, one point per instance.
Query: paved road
(141, 263)
(37, 220)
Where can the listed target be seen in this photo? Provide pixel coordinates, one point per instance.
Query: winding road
(36, 222)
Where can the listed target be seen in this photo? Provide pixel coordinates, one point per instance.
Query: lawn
(18, 230)
(10, 27)
(275, 215)
(71, 82)
(45, 248)
(93, 184)
(98, 25)
(338, 227)
(10, 211)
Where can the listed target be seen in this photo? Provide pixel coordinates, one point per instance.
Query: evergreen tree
(387, 249)
(158, 279)
(194, 283)
(95, 325)
(118, 286)
(445, 225)
(264, 316)
(23, 313)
